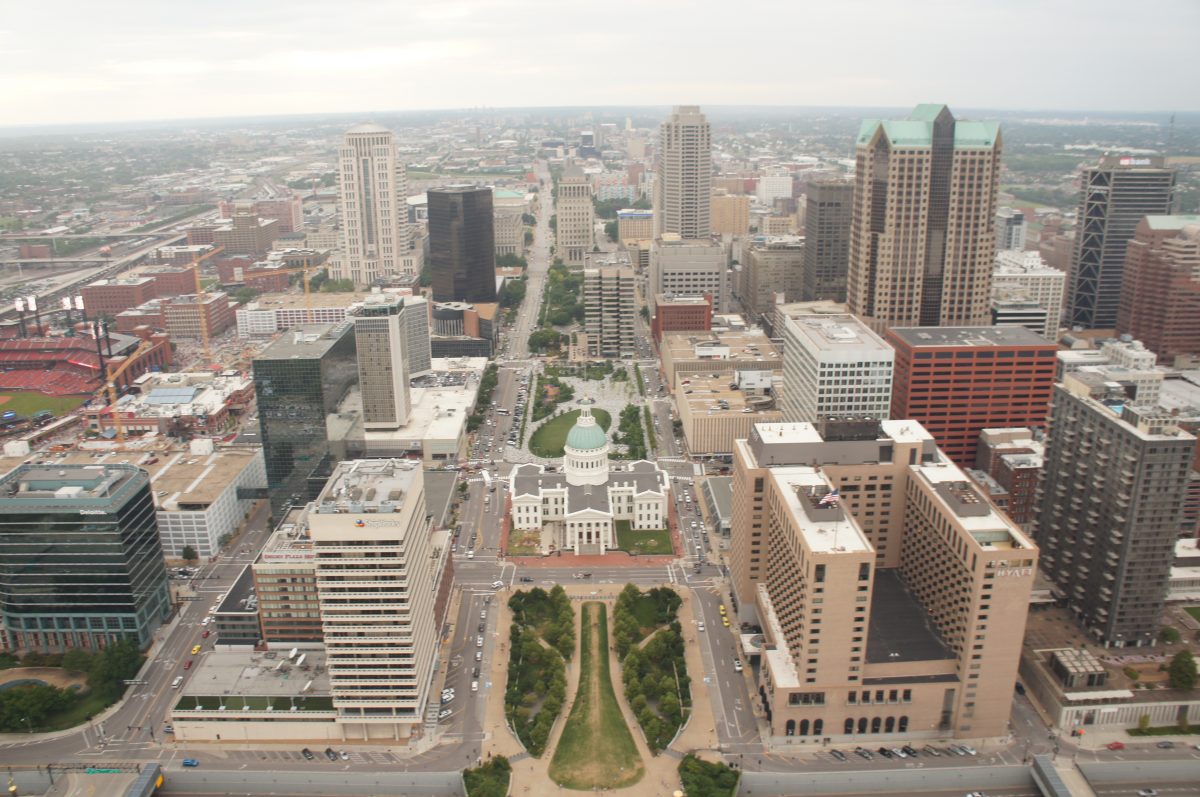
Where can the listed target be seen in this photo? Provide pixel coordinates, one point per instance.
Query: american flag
(830, 498)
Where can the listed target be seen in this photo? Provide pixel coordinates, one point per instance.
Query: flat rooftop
(675, 300)
(837, 333)
(252, 674)
(900, 628)
(238, 597)
(721, 490)
(750, 344)
(990, 529)
(712, 396)
(367, 485)
(305, 341)
(969, 336)
(826, 530)
(88, 483)
(296, 301)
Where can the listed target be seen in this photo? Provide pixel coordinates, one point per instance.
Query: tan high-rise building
(891, 594)
(922, 235)
(381, 337)
(730, 214)
(576, 217)
(372, 199)
(683, 176)
(772, 266)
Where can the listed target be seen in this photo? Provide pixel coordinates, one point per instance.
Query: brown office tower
(922, 235)
(1160, 303)
(827, 240)
(462, 247)
(958, 381)
(1110, 503)
(890, 593)
(1115, 196)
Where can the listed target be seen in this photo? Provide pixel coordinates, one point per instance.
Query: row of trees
(707, 778)
(483, 397)
(542, 637)
(631, 433)
(543, 404)
(563, 298)
(488, 780)
(654, 675)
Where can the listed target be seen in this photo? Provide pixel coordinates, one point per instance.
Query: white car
(474, 686)
(444, 713)
(737, 665)
(479, 655)
(479, 641)
(700, 626)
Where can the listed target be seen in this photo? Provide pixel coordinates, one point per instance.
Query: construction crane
(306, 270)
(200, 294)
(111, 385)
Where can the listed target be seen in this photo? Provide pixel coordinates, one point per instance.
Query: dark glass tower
(299, 379)
(80, 561)
(462, 244)
(827, 240)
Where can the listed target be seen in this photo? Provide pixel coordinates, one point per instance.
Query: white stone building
(581, 505)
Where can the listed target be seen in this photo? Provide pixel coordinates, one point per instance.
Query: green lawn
(28, 402)
(1194, 611)
(655, 541)
(524, 543)
(596, 750)
(550, 437)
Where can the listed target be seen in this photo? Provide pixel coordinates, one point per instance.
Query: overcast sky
(86, 61)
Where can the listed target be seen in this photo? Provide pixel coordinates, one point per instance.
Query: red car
(1115, 745)
(205, 634)
(187, 665)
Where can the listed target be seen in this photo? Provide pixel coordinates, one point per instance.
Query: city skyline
(118, 67)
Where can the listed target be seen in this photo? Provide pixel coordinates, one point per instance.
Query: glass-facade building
(81, 565)
(462, 244)
(300, 379)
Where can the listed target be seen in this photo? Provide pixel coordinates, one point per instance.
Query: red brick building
(172, 280)
(680, 314)
(109, 297)
(958, 381)
(1160, 294)
(1014, 459)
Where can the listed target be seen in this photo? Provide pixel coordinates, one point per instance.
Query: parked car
(909, 751)
(886, 753)
(838, 754)
(896, 751)
(1165, 745)
(864, 752)
(308, 754)
(187, 665)
(332, 756)
(931, 750)
(444, 713)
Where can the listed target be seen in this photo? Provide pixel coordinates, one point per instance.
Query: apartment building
(882, 580)
(834, 366)
(1010, 229)
(958, 381)
(1160, 300)
(1110, 503)
(609, 311)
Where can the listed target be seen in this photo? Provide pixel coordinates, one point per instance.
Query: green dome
(586, 435)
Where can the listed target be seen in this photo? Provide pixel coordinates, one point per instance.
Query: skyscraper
(683, 174)
(381, 338)
(80, 561)
(298, 380)
(1110, 503)
(1160, 302)
(827, 240)
(922, 237)
(1010, 229)
(1115, 196)
(462, 248)
(576, 216)
(372, 199)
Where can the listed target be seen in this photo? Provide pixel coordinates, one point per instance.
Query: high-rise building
(462, 249)
(576, 217)
(246, 233)
(958, 381)
(834, 367)
(415, 315)
(683, 174)
(772, 266)
(1110, 502)
(1114, 197)
(689, 268)
(1020, 313)
(80, 561)
(879, 583)
(774, 185)
(369, 527)
(922, 237)
(372, 198)
(1021, 275)
(1160, 300)
(299, 379)
(609, 311)
(1010, 229)
(827, 240)
(381, 340)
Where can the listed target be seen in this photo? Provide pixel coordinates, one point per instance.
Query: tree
(610, 229)
(1182, 670)
(245, 295)
(1144, 722)
(188, 554)
(1169, 635)
(76, 660)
